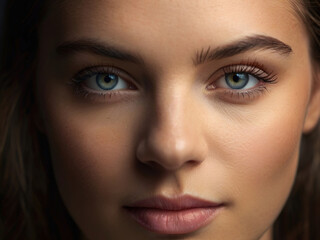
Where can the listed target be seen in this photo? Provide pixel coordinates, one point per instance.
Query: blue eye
(106, 82)
(237, 81)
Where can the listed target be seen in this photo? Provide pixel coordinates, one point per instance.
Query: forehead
(177, 13)
(171, 26)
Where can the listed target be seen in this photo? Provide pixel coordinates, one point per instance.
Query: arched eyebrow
(255, 42)
(98, 48)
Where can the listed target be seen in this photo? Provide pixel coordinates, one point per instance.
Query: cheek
(263, 152)
(88, 158)
(265, 177)
(90, 154)
(267, 150)
(268, 157)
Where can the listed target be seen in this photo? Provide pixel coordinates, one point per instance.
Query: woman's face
(169, 100)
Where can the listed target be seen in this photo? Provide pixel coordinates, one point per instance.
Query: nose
(173, 136)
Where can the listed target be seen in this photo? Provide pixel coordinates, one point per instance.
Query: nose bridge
(169, 128)
(169, 110)
(172, 137)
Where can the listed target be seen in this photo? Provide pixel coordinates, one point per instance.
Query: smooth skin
(174, 127)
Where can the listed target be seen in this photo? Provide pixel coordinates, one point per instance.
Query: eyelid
(241, 96)
(91, 71)
(253, 68)
(80, 89)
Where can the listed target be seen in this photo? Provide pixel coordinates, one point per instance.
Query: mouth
(181, 215)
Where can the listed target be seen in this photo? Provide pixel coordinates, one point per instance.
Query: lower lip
(173, 222)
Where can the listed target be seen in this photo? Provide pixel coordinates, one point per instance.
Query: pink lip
(179, 215)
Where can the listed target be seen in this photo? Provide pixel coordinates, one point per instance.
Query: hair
(27, 186)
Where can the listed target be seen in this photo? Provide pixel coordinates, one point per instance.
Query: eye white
(222, 83)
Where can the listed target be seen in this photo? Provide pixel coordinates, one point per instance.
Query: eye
(105, 82)
(100, 84)
(242, 83)
(237, 81)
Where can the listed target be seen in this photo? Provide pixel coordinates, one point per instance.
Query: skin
(170, 135)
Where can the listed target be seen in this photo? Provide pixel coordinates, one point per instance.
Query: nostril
(169, 165)
(193, 162)
(153, 164)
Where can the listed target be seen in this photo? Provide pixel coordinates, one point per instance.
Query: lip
(180, 215)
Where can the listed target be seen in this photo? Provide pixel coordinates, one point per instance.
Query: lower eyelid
(242, 96)
(104, 97)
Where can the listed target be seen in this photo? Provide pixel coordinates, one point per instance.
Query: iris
(237, 80)
(107, 81)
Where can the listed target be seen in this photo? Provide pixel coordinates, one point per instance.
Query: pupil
(110, 78)
(236, 78)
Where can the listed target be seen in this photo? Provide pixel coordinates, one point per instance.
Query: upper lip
(173, 204)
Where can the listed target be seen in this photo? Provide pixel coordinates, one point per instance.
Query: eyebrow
(102, 49)
(255, 42)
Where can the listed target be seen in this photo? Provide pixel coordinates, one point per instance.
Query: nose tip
(172, 137)
(170, 151)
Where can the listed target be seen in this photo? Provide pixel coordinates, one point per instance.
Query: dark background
(1, 17)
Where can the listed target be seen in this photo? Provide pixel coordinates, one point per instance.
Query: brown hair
(301, 215)
(27, 186)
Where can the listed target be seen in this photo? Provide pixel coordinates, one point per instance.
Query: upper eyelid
(90, 71)
(249, 68)
(243, 68)
(85, 73)
(238, 68)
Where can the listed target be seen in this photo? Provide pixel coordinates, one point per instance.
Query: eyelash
(80, 90)
(252, 68)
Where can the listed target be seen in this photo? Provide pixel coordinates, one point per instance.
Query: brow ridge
(102, 49)
(260, 42)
